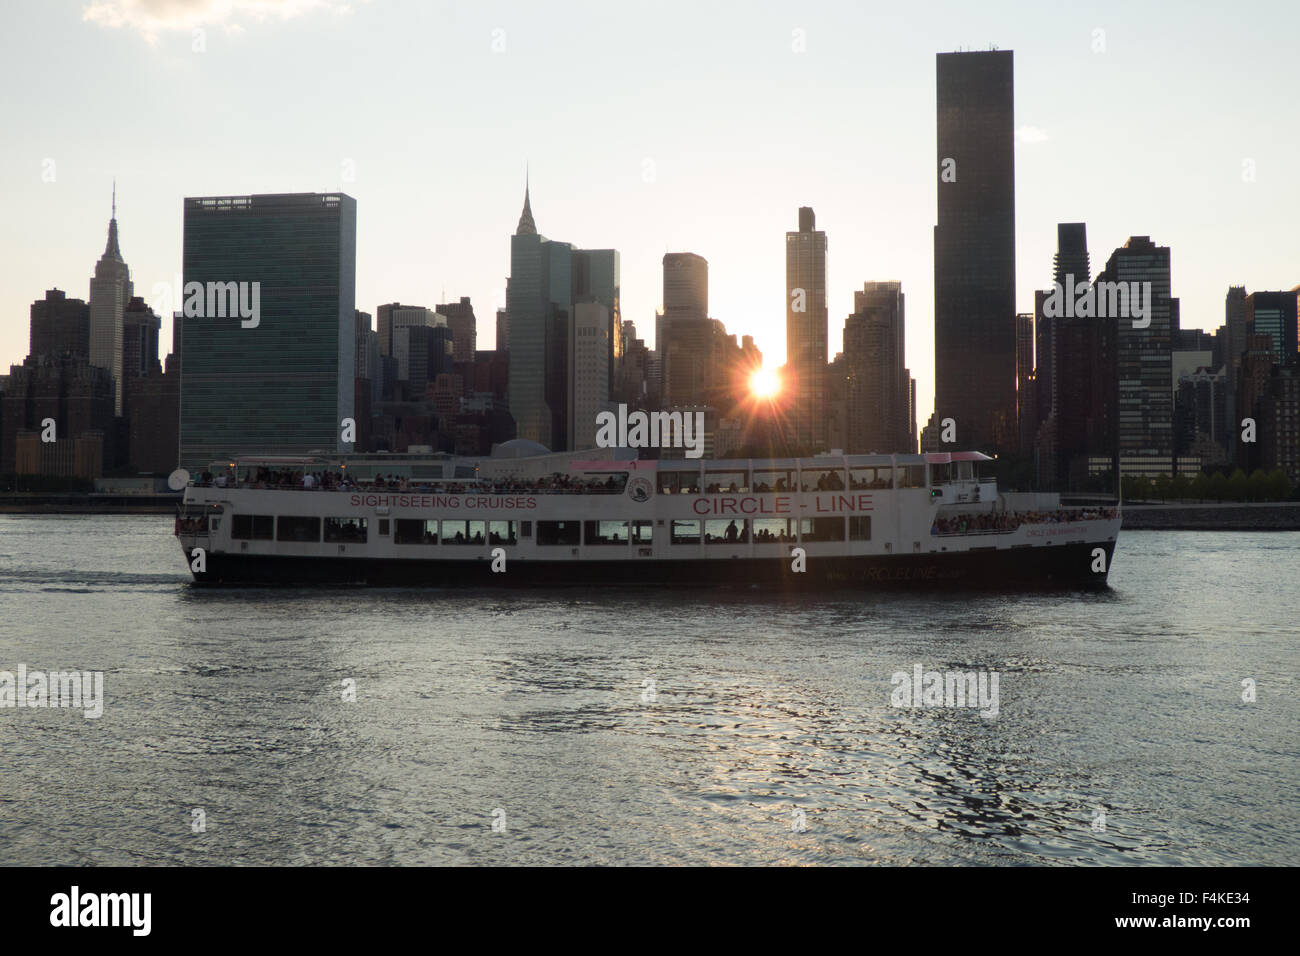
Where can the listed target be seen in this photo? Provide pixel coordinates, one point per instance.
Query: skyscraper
(140, 329)
(1145, 401)
(975, 249)
(877, 399)
(60, 326)
(539, 300)
(590, 381)
(1071, 257)
(1076, 373)
(369, 367)
(1235, 331)
(806, 331)
(503, 331)
(1274, 314)
(1026, 399)
(283, 385)
(463, 326)
(400, 321)
(393, 315)
(683, 335)
(686, 284)
(110, 291)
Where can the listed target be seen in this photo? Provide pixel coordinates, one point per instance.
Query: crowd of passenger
(1004, 522)
(827, 481)
(555, 484)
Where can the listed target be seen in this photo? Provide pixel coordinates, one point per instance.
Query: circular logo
(640, 489)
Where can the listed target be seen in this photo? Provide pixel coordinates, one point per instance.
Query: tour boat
(436, 521)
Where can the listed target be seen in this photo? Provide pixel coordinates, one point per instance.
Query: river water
(626, 727)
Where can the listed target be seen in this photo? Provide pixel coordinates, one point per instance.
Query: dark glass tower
(283, 386)
(975, 249)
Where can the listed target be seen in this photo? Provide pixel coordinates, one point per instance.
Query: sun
(764, 383)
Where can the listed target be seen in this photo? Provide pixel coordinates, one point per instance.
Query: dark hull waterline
(1065, 566)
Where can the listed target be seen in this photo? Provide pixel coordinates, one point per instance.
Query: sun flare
(764, 383)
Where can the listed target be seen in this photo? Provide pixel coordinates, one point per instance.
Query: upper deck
(953, 477)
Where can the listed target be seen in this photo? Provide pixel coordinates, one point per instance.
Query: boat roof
(579, 464)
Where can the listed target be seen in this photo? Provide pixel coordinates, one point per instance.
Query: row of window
(770, 530)
(417, 531)
(454, 532)
(764, 481)
(296, 528)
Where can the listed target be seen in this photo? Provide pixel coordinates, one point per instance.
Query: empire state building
(110, 291)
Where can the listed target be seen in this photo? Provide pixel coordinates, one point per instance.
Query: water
(536, 707)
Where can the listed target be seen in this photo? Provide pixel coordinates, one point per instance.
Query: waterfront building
(281, 384)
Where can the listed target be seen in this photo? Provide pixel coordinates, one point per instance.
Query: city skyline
(731, 204)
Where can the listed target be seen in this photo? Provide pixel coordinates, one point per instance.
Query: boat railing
(436, 488)
(1010, 522)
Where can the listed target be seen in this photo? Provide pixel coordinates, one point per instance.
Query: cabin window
(293, 528)
(822, 479)
(525, 529)
(870, 476)
(503, 532)
(942, 473)
(725, 531)
(881, 476)
(643, 532)
(605, 532)
(383, 527)
(558, 532)
(679, 482)
(346, 530)
(686, 532)
(613, 484)
(911, 476)
(252, 527)
(773, 531)
(415, 531)
(860, 528)
(821, 529)
(464, 532)
(773, 481)
(726, 482)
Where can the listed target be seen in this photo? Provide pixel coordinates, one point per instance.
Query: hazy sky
(648, 127)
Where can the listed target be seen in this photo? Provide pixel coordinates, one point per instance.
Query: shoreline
(86, 503)
(1213, 516)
